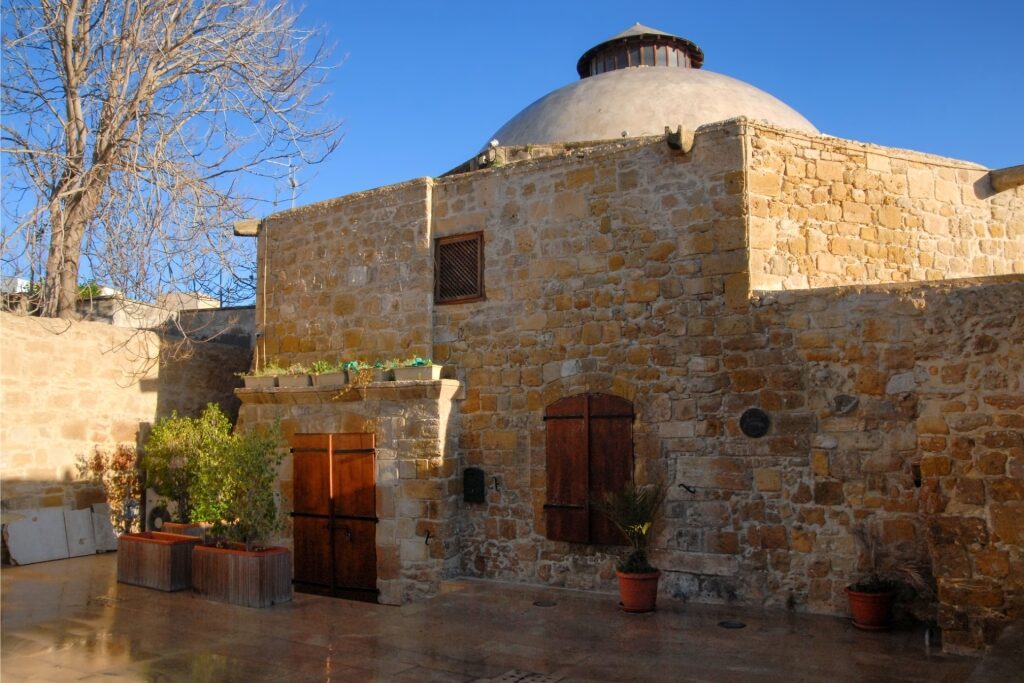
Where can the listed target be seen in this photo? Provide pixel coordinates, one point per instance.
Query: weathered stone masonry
(765, 268)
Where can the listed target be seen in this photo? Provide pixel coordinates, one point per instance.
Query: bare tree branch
(128, 126)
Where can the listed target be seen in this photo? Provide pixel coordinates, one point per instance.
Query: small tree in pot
(634, 511)
(235, 489)
(173, 453)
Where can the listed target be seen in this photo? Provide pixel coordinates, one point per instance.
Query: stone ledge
(441, 389)
(695, 563)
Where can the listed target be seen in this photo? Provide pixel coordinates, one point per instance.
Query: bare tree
(130, 128)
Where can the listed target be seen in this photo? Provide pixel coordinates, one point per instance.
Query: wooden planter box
(259, 578)
(153, 559)
(190, 529)
(418, 372)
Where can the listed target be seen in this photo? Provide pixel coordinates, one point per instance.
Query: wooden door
(334, 516)
(589, 448)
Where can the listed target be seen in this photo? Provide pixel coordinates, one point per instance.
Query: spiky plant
(634, 511)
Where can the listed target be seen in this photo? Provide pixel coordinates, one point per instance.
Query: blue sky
(422, 86)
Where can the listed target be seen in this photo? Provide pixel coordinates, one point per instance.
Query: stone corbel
(1007, 178)
(680, 140)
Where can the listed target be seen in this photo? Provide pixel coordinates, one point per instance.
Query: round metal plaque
(755, 423)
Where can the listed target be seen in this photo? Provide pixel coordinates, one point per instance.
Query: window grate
(458, 268)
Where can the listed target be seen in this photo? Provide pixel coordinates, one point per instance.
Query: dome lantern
(637, 46)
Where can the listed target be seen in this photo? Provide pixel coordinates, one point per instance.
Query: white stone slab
(36, 535)
(78, 524)
(102, 528)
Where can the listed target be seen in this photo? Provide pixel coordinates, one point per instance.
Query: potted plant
(416, 369)
(327, 374)
(296, 376)
(877, 589)
(172, 455)
(235, 488)
(634, 511)
(263, 378)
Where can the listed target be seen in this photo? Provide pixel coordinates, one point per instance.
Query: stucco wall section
(826, 211)
(348, 279)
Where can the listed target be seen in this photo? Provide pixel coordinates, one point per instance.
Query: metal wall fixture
(755, 423)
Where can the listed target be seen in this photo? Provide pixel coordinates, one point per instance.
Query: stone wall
(604, 270)
(637, 271)
(68, 387)
(348, 279)
(826, 212)
(971, 440)
(418, 483)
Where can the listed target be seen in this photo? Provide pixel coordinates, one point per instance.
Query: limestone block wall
(66, 388)
(348, 279)
(970, 432)
(826, 212)
(605, 272)
(418, 485)
(207, 373)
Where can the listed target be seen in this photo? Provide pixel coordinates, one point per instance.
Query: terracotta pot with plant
(634, 511)
(875, 591)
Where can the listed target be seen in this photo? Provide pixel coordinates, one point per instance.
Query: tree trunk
(69, 222)
(60, 289)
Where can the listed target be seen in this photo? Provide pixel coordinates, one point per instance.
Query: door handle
(348, 532)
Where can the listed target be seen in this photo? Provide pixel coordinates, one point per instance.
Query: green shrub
(175, 451)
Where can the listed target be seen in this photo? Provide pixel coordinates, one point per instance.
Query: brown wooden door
(589, 447)
(334, 518)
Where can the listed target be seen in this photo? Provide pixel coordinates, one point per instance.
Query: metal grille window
(459, 268)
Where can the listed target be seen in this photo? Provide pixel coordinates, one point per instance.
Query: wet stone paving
(71, 621)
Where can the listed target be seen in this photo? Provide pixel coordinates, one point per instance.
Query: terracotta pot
(638, 592)
(871, 611)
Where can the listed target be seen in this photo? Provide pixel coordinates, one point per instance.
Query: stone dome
(624, 93)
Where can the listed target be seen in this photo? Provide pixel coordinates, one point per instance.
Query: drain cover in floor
(732, 624)
(516, 676)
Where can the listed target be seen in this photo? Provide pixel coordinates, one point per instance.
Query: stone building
(634, 264)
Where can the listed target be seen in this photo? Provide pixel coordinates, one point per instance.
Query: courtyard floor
(71, 621)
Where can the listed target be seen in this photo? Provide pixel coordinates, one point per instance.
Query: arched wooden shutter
(589, 439)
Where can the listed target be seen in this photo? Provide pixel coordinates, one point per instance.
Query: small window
(459, 268)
